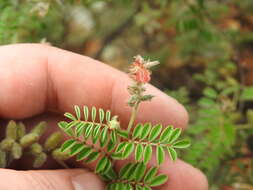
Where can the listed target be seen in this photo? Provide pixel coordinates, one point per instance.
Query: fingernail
(87, 181)
(79, 182)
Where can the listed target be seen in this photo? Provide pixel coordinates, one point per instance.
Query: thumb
(72, 179)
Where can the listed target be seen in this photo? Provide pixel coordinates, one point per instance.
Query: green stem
(150, 143)
(133, 116)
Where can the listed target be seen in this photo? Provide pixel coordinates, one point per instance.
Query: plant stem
(133, 116)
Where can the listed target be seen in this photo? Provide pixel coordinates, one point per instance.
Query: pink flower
(138, 70)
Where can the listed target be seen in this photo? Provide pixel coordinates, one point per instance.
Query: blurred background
(206, 52)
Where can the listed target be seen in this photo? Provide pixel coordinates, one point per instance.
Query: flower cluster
(139, 70)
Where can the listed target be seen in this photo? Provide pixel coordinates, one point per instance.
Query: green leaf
(145, 131)
(128, 149)
(114, 137)
(88, 130)
(155, 131)
(127, 171)
(181, 144)
(140, 171)
(76, 149)
(138, 152)
(166, 134)
(71, 124)
(247, 93)
(124, 169)
(150, 174)
(86, 113)
(122, 133)
(129, 187)
(121, 146)
(78, 112)
(111, 186)
(110, 174)
(63, 125)
(174, 135)
(206, 102)
(101, 164)
(93, 113)
(110, 146)
(172, 153)
(119, 186)
(79, 129)
(95, 134)
(70, 116)
(108, 116)
(137, 131)
(101, 115)
(210, 93)
(160, 155)
(92, 157)
(146, 188)
(158, 180)
(107, 168)
(147, 153)
(84, 153)
(138, 187)
(68, 144)
(104, 137)
(117, 155)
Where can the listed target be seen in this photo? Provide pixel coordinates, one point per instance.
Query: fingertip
(183, 176)
(87, 180)
(68, 179)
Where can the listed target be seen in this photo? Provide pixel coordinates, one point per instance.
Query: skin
(42, 82)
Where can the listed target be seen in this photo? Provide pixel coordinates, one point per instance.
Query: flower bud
(40, 128)
(57, 154)
(29, 139)
(53, 141)
(114, 123)
(39, 160)
(20, 130)
(11, 130)
(36, 148)
(16, 151)
(6, 144)
(3, 161)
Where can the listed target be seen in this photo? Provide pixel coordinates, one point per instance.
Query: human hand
(38, 82)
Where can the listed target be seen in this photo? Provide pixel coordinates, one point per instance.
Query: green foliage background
(204, 47)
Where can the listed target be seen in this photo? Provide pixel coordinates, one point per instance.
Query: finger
(182, 176)
(35, 78)
(49, 180)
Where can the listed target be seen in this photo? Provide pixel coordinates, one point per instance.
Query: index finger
(36, 78)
